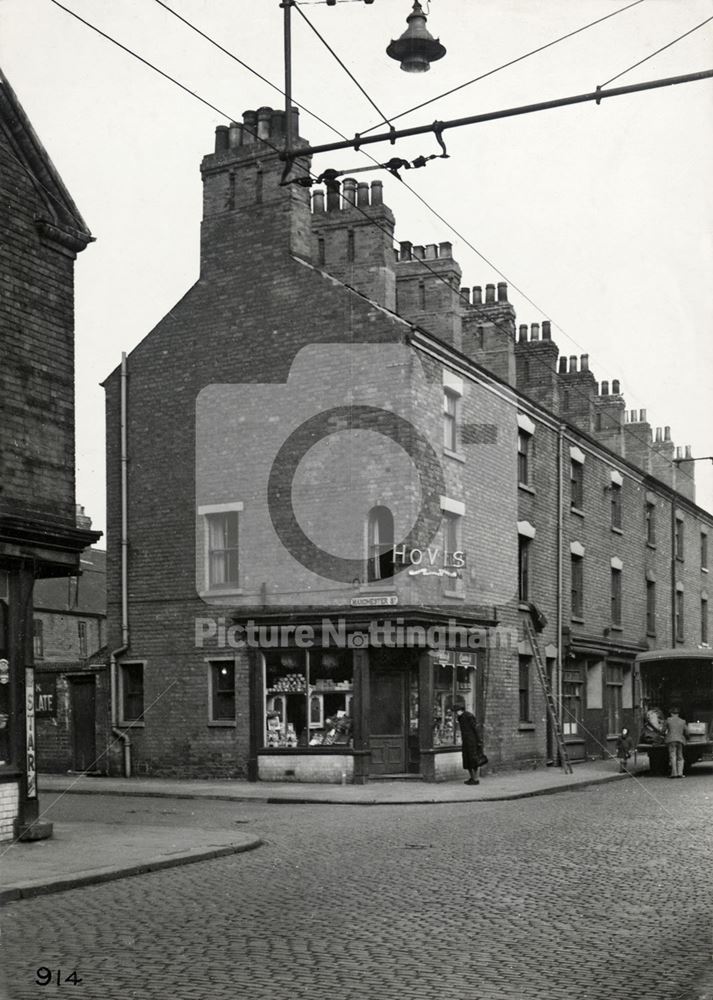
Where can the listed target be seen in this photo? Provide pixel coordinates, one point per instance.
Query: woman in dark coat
(471, 745)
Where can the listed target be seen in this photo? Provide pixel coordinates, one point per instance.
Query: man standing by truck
(675, 738)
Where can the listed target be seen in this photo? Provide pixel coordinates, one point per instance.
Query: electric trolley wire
(351, 76)
(662, 49)
(512, 62)
(373, 222)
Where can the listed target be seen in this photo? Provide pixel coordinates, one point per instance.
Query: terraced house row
(339, 485)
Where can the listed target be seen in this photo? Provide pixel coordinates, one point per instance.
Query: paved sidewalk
(81, 854)
(492, 788)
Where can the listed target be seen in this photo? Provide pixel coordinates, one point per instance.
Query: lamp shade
(416, 49)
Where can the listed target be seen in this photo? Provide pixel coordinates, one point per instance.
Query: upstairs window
(82, 637)
(650, 516)
(576, 484)
(523, 458)
(615, 500)
(704, 620)
(680, 538)
(577, 586)
(450, 425)
(651, 607)
(523, 568)
(223, 550)
(679, 622)
(616, 607)
(704, 550)
(38, 638)
(380, 530)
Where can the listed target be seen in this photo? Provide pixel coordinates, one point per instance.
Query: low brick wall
(9, 802)
(326, 768)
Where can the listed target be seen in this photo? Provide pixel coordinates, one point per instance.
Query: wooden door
(84, 720)
(388, 728)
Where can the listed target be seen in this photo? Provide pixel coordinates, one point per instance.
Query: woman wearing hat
(473, 756)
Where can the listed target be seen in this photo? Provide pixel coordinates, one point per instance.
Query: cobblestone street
(598, 894)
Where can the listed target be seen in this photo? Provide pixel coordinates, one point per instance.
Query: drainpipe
(673, 557)
(560, 452)
(120, 650)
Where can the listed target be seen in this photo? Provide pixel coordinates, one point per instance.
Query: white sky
(601, 215)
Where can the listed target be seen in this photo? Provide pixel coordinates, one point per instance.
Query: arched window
(380, 542)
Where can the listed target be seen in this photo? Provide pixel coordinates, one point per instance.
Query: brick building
(42, 234)
(337, 483)
(71, 673)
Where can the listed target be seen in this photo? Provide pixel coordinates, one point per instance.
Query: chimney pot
(535, 331)
(318, 201)
(584, 363)
(377, 193)
(642, 416)
(659, 434)
(502, 291)
(406, 248)
(465, 295)
(523, 333)
(349, 191)
(546, 329)
(235, 135)
(222, 134)
(277, 124)
(562, 365)
(333, 201)
(679, 451)
(573, 363)
(445, 249)
(263, 122)
(477, 295)
(363, 193)
(688, 451)
(490, 293)
(667, 433)
(431, 251)
(615, 387)
(605, 388)
(419, 252)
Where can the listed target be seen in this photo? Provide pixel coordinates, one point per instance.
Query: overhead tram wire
(276, 149)
(512, 62)
(346, 69)
(662, 49)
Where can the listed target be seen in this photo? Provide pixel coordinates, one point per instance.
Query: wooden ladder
(551, 707)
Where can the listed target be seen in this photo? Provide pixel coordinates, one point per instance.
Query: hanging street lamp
(416, 49)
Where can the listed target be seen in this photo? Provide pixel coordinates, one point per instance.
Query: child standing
(624, 747)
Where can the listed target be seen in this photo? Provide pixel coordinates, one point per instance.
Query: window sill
(577, 619)
(223, 592)
(523, 606)
(457, 456)
(704, 569)
(456, 594)
(680, 559)
(526, 727)
(651, 545)
(577, 510)
(616, 628)
(222, 723)
(526, 488)
(650, 635)
(617, 531)
(130, 725)
(377, 587)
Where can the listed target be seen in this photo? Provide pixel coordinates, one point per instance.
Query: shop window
(524, 688)
(38, 642)
(451, 686)
(523, 568)
(132, 692)
(613, 697)
(616, 605)
(308, 698)
(577, 586)
(650, 607)
(704, 620)
(571, 702)
(222, 690)
(523, 458)
(223, 550)
(615, 502)
(380, 530)
(450, 421)
(680, 539)
(576, 484)
(650, 515)
(679, 623)
(82, 637)
(704, 550)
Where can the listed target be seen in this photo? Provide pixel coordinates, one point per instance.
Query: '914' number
(46, 976)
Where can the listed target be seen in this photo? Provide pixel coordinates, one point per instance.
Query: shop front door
(84, 748)
(387, 740)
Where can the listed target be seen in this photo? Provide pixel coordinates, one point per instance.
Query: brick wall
(9, 799)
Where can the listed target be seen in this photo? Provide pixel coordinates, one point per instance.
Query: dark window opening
(577, 586)
(381, 544)
(132, 705)
(222, 691)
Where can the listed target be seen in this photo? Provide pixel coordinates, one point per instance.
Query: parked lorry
(682, 678)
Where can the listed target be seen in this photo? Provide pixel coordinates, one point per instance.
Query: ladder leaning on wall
(551, 706)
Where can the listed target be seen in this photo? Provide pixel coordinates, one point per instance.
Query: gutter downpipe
(560, 453)
(119, 733)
